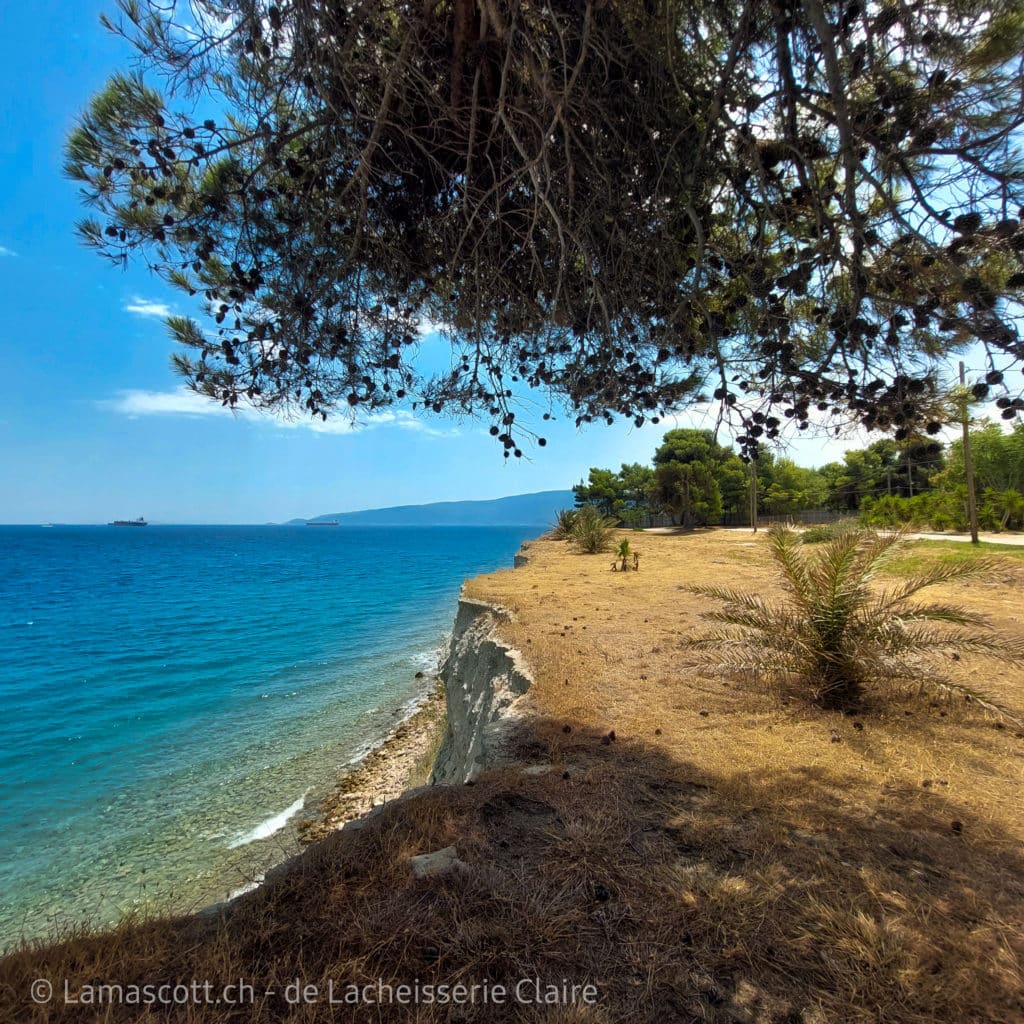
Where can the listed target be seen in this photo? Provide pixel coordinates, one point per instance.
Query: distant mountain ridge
(516, 510)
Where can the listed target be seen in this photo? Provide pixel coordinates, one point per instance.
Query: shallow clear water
(171, 697)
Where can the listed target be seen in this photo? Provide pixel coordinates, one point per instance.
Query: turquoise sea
(173, 696)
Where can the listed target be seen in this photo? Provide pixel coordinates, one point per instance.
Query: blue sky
(93, 424)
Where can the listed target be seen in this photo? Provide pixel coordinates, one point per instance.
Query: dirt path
(1016, 539)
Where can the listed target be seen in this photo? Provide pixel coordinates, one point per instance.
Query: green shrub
(932, 511)
(828, 531)
(592, 531)
(891, 511)
(834, 634)
(562, 527)
(815, 535)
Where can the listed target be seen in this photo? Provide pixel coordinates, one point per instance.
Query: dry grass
(729, 857)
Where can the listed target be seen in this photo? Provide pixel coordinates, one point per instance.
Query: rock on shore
(402, 760)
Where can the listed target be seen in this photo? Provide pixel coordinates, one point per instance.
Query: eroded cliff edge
(485, 682)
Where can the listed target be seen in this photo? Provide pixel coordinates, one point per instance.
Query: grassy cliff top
(732, 855)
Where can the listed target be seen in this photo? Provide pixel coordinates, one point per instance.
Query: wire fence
(808, 517)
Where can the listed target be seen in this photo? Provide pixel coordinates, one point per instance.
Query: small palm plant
(624, 551)
(592, 531)
(834, 633)
(561, 529)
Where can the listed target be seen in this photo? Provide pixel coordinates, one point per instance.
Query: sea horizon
(533, 526)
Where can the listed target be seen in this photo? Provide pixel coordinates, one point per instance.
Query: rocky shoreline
(401, 761)
(457, 728)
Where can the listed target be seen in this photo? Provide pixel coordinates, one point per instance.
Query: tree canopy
(696, 478)
(998, 458)
(888, 483)
(623, 494)
(803, 208)
(791, 488)
(884, 467)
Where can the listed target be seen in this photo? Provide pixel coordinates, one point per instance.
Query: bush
(633, 517)
(563, 524)
(891, 511)
(828, 531)
(936, 511)
(834, 633)
(592, 531)
(815, 535)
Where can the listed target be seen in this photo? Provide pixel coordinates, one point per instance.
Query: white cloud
(147, 307)
(427, 327)
(4, 251)
(183, 402)
(401, 419)
(405, 420)
(163, 403)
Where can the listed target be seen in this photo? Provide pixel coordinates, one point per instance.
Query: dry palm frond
(834, 633)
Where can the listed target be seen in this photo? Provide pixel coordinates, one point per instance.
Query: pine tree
(800, 207)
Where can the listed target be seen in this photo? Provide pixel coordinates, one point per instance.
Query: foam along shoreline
(269, 826)
(400, 761)
(399, 741)
(403, 759)
(248, 887)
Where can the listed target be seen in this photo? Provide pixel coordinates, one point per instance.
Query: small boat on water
(129, 522)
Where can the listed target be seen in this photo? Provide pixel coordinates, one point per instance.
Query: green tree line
(918, 481)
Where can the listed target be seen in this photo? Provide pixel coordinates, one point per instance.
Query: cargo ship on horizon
(129, 522)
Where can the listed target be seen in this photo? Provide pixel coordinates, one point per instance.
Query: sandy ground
(606, 648)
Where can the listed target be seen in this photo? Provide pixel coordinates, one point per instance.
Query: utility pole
(753, 494)
(972, 501)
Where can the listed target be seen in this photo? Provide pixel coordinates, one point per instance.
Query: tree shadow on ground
(761, 898)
